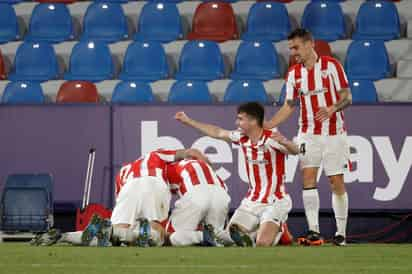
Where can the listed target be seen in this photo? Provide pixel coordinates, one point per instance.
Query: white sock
(156, 237)
(224, 236)
(185, 238)
(340, 205)
(311, 204)
(72, 237)
(126, 235)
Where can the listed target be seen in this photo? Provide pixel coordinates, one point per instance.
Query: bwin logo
(363, 151)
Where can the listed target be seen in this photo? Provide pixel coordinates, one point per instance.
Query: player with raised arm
(320, 86)
(265, 208)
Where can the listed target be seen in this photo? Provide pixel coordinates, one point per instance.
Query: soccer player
(203, 200)
(143, 194)
(266, 205)
(320, 86)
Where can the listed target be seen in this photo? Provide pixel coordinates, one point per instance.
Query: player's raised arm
(191, 153)
(207, 129)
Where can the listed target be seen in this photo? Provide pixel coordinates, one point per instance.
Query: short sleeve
(339, 76)
(167, 155)
(290, 89)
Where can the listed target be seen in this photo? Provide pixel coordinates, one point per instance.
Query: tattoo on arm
(292, 103)
(345, 100)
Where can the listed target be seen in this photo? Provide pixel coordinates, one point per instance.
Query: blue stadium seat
(159, 22)
(240, 91)
(11, 2)
(50, 23)
(112, 1)
(325, 20)
(190, 92)
(105, 22)
(132, 93)
(256, 61)
(90, 61)
(377, 20)
(367, 60)
(200, 60)
(34, 62)
(145, 61)
(23, 93)
(9, 27)
(363, 91)
(27, 203)
(267, 21)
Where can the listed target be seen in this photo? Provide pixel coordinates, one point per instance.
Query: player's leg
(270, 230)
(244, 223)
(310, 159)
(184, 221)
(217, 215)
(155, 209)
(336, 162)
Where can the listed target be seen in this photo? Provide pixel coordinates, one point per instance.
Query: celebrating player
(203, 200)
(319, 84)
(266, 205)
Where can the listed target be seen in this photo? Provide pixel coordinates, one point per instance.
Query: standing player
(203, 200)
(266, 205)
(319, 84)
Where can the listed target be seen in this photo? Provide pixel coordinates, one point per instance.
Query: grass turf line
(372, 258)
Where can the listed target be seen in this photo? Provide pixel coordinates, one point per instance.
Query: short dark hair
(304, 34)
(253, 109)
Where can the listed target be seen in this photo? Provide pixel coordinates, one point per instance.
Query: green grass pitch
(366, 258)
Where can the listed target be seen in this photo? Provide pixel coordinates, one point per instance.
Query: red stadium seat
(57, 1)
(214, 21)
(77, 92)
(322, 48)
(3, 75)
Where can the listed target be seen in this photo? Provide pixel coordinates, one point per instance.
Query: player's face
(300, 49)
(245, 123)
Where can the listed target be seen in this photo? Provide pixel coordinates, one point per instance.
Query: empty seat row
(199, 60)
(214, 21)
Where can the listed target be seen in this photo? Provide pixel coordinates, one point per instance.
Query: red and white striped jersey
(265, 166)
(151, 164)
(184, 175)
(317, 87)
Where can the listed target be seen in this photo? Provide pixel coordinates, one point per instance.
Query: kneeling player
(203, 200)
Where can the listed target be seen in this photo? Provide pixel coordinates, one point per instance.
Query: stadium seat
(256, 61)
(325, 20)
(214, 21)
(322, 48)
(27, 203)
(240, 91)
(159, 22)
(77, 92)
(145, 61)
(200, 60)
(267, 21)
(9, 27)
(112, 1)
(377, 20)
(34, 62)
(3, 73)
(23, 93)
(50, 23)
(367, 60)
(57, 1)
(363, 91)
(132, 93)
(11, 2)
(190, 92)
(105, 22)
(90, 61)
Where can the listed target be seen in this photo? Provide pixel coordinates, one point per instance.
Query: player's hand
(182, 117)
(278, 137)
(196, 154)
(324, 113)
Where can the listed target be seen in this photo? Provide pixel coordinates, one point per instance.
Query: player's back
(185, 175)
